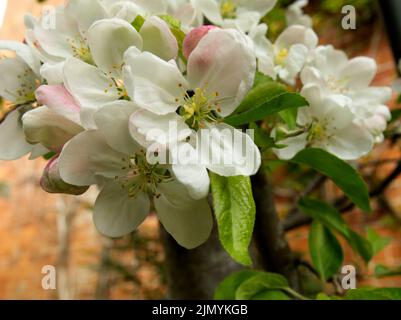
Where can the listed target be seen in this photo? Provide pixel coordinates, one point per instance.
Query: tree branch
(298, 219)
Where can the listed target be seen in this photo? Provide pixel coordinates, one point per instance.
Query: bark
(195, 274)
(274, 253)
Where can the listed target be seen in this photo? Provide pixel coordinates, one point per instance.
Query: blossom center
(142, 176)
(228, 10)
(198, 106)
(281, 56)
(337, 85)
(80, 49)
(317, 131)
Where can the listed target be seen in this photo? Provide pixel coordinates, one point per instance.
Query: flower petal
(24, 52)
(112, 121)
(350, 143)
(52, 72)
(13, 144)
(188, 221)
(359, 72)
(293, 64)
(90, 87)
(116, 214)
(260, 6)
(227, 151)
(189, 172)
(148, 128)
(88, 156)
(292, 145)
(38, 151)
(50, 129)
(86, 12)
(158, 38)
(224, 64)
(125, 10)
(59, 100)
(107, 50)
(57, 40)
(211, 10)
(17, 81)
(297, 35)
(155, 84)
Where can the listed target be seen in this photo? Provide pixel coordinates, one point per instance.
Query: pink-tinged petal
(59, 100)
(223, 64)
(193, 38)
(51, 181)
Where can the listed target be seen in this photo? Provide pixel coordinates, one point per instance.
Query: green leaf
(323, 296)
(235, 211)
(261, 138)
(260, 285)
(395, 114)
(175, 28)
(49, 155)
(325, 214)
(138, 22)
(271, 295)
(325, 250)
(290, 117)
(383, 271)
(264, 89)
(332, 219)
(227, 288)
(361, 245)
(377, 242)
(261, 78)
(374, 294)
(342, 174)
(171, 21)
(283, 101)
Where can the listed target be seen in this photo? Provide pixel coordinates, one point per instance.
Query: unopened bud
(51, 180)
(193, 38)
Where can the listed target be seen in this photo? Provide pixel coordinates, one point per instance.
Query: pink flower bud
(51, 181)
(58, 99)
(192, 39)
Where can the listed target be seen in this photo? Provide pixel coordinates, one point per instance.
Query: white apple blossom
(92, 86)
(287, 56)
(239, 14)
(295, 15)
(110, 157)
(220, 72)
(335, 74)
(19, 78)
(185, 11)
(57, 42)
(328, 123)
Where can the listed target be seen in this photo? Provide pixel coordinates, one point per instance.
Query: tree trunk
(195, 274)
(274, 253)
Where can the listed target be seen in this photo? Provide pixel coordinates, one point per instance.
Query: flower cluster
(121, 92)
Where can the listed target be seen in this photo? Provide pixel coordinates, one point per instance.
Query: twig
(298, 219)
